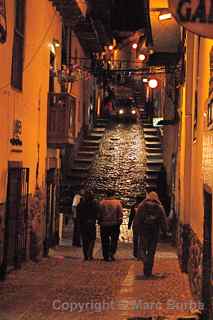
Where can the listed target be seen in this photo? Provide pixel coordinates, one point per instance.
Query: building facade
(43, 80)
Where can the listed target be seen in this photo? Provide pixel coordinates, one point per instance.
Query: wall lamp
(141, 57)
(165, 16)
(56, 43)
(153, 83)
(135, 45)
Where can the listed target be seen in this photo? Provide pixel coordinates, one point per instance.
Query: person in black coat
(136, 238)
(87, 212)
(150, 217)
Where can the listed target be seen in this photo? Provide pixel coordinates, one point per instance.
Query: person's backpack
(150, 213)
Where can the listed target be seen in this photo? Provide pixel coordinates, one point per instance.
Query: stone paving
(121, 163)
(64, 287)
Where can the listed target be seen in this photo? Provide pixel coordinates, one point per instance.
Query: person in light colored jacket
(110, 218)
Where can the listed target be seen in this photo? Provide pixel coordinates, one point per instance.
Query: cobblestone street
(64, 287)
(121, 163)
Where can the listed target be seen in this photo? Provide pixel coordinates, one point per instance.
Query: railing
(61, 119)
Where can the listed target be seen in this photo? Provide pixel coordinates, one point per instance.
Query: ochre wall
(30, 104)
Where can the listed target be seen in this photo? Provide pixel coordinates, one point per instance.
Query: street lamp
(142, 57)
(153, 83)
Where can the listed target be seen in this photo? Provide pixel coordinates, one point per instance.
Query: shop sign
(195, 15)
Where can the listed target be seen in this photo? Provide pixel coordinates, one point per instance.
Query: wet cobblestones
(121, 163)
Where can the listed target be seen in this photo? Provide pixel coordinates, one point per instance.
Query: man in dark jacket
(149, 219)
(136, 238)
(87, 213)
(110, 219)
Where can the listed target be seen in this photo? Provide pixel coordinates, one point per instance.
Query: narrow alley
(106, 159)
(63, 286)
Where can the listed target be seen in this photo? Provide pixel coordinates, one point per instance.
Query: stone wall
(36, 224)
(190, 257)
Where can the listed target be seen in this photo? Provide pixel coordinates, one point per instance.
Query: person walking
(150, 217)
(136, 238)
(110, 219)
(76, 241)
(87, 213)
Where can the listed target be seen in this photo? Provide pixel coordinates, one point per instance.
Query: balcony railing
(61, 119)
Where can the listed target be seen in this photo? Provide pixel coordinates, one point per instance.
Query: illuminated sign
(195, 15)
(157, 122)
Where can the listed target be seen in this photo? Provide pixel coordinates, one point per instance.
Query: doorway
(207, 253)
(16, 219)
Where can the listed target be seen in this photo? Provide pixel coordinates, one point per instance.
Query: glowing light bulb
(134, 46)
(142, 57)
(153, 83)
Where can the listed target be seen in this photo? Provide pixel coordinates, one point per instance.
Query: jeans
(109, 240)
(149, 246)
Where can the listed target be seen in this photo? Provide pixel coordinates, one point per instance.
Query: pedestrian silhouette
(110, 219)
(136, 238)
(87, 213)
(150, 217)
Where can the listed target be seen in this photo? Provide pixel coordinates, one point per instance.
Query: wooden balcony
(61, 119)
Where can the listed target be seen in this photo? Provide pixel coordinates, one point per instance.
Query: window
(66, 46)
(18, 45)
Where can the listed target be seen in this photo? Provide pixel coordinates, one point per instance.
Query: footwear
(106, 259)
(112, 258)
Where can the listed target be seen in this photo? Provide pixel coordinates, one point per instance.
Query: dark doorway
(52, 72)
(51, 237)
(16, 221)
(207, 253)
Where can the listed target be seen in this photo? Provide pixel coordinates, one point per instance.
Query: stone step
(150, 130)
(73, 176)
(151, 186)
(90, 142)
(154, 161)
(147, 125)
(153, 144)
(82, 160)
(83, 165)
(154, 155)
(86, 154)
(152, 171)
(90, 148)
(101, 122)
(77, 185)
(151, 178)
(80, 169)
(98, 130)
(153, 150)
(149, 137)
(94, 136)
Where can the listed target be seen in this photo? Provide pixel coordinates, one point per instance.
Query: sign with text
(195, 15)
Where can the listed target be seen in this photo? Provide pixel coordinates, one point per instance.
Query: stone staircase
(153, 154)
(87, 152)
